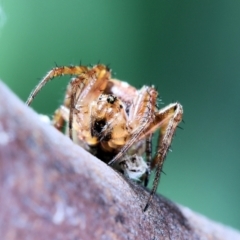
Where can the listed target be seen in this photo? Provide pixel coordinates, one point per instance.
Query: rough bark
(53, 189)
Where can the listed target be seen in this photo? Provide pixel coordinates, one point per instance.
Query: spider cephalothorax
(115, 121)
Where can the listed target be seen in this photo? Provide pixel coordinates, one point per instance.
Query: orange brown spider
(115, 121)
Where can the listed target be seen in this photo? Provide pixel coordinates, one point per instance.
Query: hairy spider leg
(148, 158)
(95, 82)
(141, 114)
(167, 119)
(127, 94)
(55, 72)
(58, 120)
(88, 85)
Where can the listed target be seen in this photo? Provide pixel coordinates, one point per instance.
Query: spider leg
(74, 91)
(58, 120)
(126, 93)
(148, 158)
(99, 71)
(56, 72)
(141, 115)
(86, 87)
(167, 119)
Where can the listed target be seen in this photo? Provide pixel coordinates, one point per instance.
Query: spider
(115, 121)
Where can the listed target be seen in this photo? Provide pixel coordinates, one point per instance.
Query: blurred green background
(190, 50)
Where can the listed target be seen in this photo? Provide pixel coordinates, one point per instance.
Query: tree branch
(53, 189)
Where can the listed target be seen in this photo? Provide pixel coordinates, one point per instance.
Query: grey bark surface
(51, 188)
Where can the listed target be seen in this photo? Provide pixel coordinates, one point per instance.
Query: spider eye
(111, 99)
